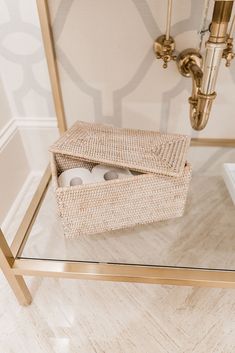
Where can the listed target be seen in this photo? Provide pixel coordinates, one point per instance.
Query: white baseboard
(19, 205)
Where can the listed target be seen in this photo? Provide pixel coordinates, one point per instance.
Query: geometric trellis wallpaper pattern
(22, 61)
(109, 72)
(107, 67)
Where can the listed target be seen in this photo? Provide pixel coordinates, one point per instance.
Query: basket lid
(144, 151)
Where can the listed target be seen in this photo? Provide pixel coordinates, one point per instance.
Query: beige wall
(14, 171)
(5, 112)
(107, 67)
(23, 66)
(27, 123)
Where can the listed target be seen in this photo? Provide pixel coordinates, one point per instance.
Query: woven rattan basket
(157, 194)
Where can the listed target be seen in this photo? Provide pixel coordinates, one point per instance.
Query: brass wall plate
(164, 49)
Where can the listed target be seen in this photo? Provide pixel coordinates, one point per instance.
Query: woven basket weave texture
(146, 151)
(157, 194)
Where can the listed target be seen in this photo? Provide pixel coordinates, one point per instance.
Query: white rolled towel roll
(106, 173)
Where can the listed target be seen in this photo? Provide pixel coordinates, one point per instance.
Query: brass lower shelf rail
(125, 273)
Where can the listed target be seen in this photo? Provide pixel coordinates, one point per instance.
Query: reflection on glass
(23, 161)
(204, 237)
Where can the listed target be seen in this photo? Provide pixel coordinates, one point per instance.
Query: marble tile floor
(70, 316)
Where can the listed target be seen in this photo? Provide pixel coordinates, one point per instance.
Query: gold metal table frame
(14, 267)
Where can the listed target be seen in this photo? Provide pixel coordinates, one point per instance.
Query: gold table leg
(16, 282)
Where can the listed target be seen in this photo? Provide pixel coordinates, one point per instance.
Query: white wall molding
(35, 122)
(19, 123)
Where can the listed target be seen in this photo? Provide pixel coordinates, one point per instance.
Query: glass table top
(203, 238)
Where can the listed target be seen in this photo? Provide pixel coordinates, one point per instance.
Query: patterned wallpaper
(109, 72)
(107, 67)
(22, 62)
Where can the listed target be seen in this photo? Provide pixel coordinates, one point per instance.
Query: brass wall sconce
(191, 63)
